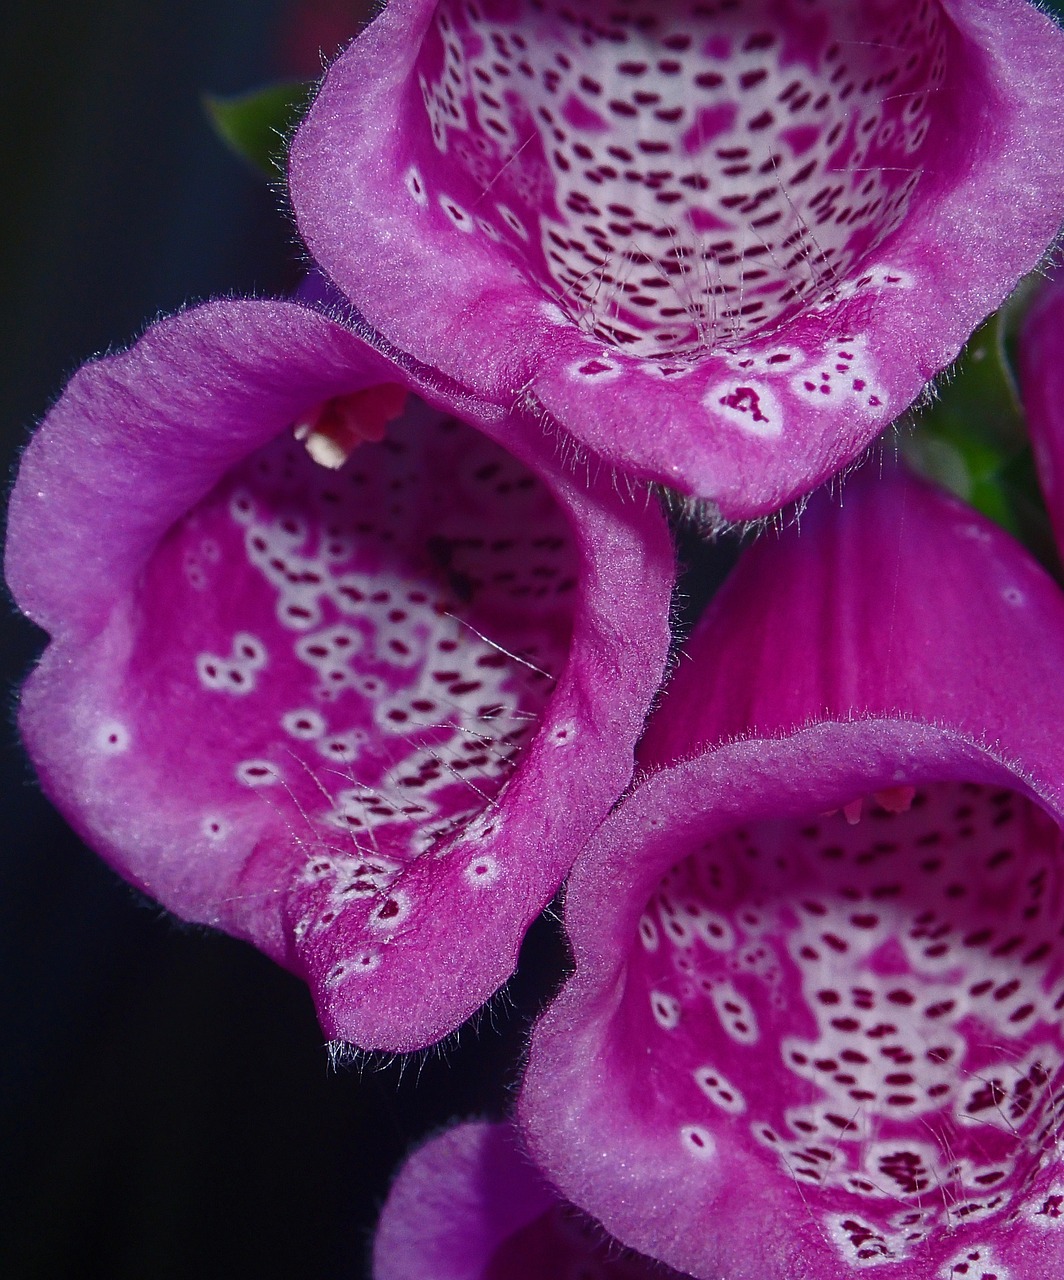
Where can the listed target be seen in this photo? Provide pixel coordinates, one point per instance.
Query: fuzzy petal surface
(363, 717)
(469, 1205)
(814, 1030)
(721, 244)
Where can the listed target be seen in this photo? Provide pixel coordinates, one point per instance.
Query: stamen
(890, 799)
(333, 430)
(895, 799)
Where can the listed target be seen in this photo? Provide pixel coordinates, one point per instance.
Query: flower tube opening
(683, 179)
(815, 1027)
(702, 239)
(351, 660)
(871, 1009)
(401, 648)
(825, 1044)
(362, 716)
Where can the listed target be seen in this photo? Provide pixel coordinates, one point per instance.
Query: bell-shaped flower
(721, 243)
(330, 667)
(469, 1205)
(815, 1024)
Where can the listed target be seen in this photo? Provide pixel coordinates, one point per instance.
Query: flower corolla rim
(771, 725)
(134, 444)
(745, 425)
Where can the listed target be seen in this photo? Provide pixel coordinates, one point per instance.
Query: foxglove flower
(363, 717)
(721, 242)
(469, 1206)
(815, 1026)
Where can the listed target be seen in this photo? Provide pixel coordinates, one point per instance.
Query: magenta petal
(723, 245)
(470, 1206)
(363, 718)
(814, 1028)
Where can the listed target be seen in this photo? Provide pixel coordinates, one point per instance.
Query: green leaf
(973, 438)
(257, 125)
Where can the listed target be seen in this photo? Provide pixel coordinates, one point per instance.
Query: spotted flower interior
(869, 1003)
(823, 1002)
(686, 177)
(360, 655)
(387, 646)
(701, 238)
(329, 665)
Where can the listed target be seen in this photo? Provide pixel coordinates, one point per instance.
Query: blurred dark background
(167, 1108)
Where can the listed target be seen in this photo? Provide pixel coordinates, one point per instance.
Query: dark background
(167, 1108)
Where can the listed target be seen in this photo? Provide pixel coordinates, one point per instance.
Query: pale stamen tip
(895, 799)
(335, 429)
(325, 450)
(852, 811)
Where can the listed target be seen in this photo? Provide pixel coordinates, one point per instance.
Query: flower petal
(815, 1025)
(364, 718)
(470, 1206)
(723, 245)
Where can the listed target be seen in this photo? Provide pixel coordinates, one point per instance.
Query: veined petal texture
(814, 1030)
(722, 243)
(363, 715)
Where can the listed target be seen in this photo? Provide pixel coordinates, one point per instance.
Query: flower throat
(681, 179)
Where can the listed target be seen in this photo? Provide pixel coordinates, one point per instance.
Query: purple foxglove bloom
(363, 713)
(470, 1206)
(722, 243)
(814, 1030)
